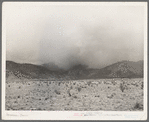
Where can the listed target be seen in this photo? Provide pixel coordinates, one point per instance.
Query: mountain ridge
(122, 69)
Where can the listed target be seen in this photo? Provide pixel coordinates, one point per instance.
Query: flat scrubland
(77, 95)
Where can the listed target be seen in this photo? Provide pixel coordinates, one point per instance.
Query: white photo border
(74, 115)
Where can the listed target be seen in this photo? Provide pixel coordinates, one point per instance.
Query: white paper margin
(73, 115)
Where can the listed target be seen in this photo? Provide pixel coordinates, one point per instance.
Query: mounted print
(74, 60)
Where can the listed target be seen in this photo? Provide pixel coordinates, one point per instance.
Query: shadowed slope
(123, 69)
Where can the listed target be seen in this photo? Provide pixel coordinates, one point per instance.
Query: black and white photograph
(74, 60)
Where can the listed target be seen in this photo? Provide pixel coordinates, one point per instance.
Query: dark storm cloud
(69, 35)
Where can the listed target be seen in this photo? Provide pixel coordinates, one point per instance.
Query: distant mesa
(50, 71)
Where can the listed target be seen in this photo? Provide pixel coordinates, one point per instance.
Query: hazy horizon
(67, 35)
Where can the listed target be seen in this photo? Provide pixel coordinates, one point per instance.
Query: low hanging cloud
(69, 35)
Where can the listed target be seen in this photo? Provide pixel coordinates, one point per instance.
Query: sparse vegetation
(142, 85)
(89, 83)
(57, 92)
(80, 97)
(46, 98)
(138, 106)
(69, 94)
(75, 96)
(79, 89)
(113, 82)
(122, 87)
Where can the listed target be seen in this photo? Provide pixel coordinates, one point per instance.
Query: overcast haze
(67, 35)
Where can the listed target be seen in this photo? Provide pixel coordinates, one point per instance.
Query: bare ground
(79, 95)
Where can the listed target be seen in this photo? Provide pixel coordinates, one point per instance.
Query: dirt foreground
(79, 95)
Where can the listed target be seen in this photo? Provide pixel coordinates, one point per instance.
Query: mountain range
(123, 69)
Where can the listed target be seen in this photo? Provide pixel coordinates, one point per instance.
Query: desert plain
(119, 94)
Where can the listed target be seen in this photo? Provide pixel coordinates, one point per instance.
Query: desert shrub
(89, 83)
(114, 82)
(75, 96)
(57, 92)
(69, 94)
(110, 96)
(83, 86)
(79, 89)
(46, 98)
(122, 87)
(138, 106)
(142, 85)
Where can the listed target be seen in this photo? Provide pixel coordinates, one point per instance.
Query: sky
(69, 34)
